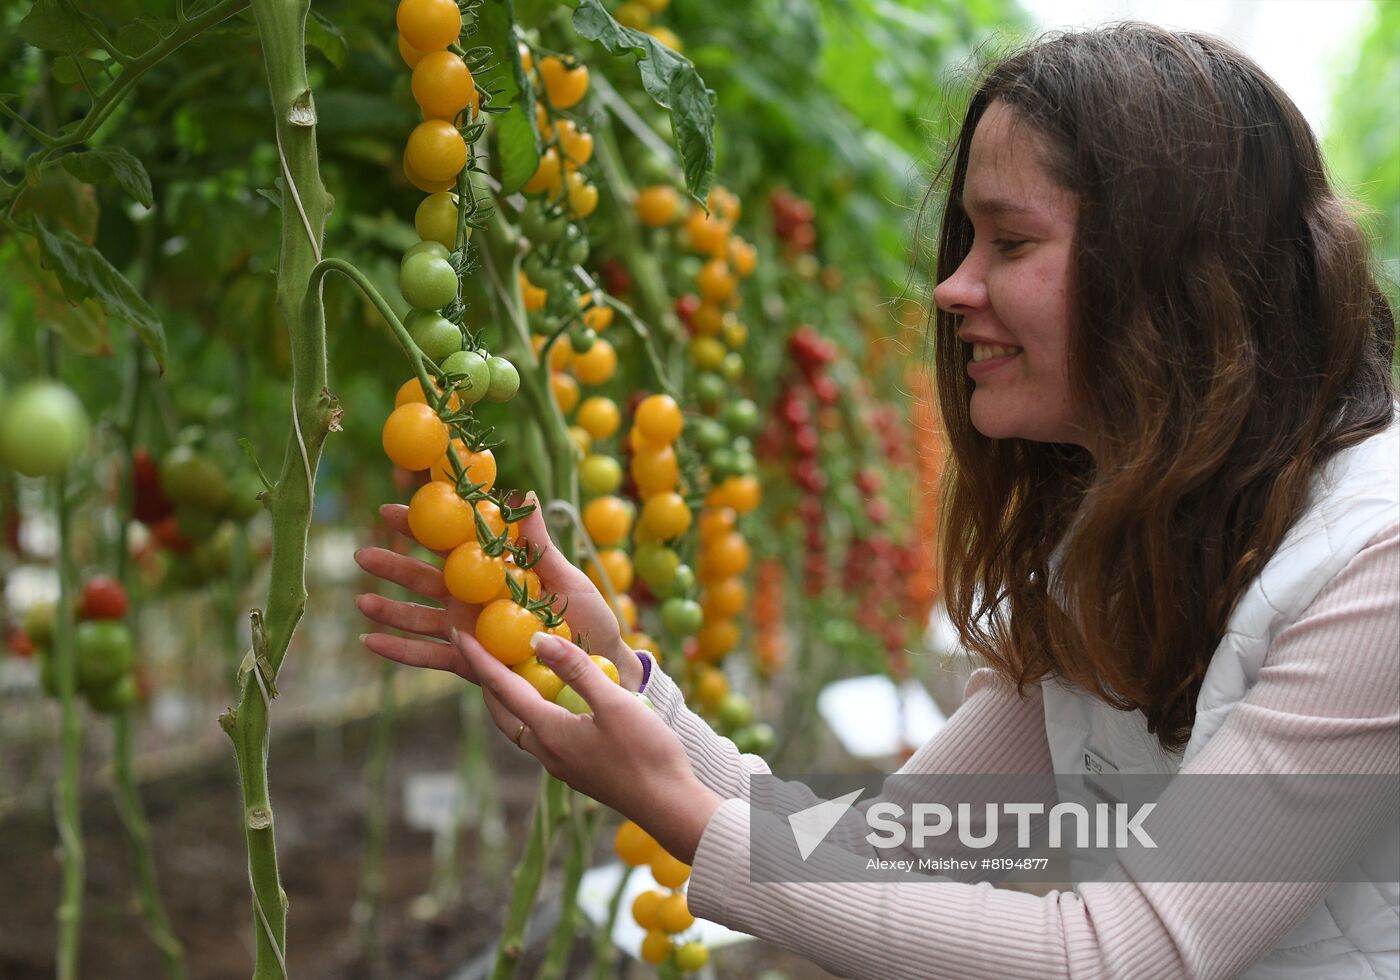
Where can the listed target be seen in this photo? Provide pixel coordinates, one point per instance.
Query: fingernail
(363, 637)
(536, 639)
(452, 634)
(531, 499)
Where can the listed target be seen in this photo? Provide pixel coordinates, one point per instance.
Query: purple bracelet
(645, 658)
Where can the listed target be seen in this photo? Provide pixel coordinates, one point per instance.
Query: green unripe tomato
(44, 429)
(582, 339)
(740, 416)
(474, 369)
(571, 700)
(575, 248)
(724, 462)
(436, 336)
(762, 738)
(192, 480)
(38, 623)
(113, 697)
(683, 582)
(543, 273)
(681, 617)
(734, 711)
(710, 388)
(543, 324)
(105, 652)
(543, 224)
(656, 565)
(599, 474)
(745, 464)
(436, 219)
(428, 282)
(429, 248)
(732, 367)
(710, 434)
(505, 379)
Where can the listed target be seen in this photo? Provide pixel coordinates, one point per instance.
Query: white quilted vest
(1354, 931)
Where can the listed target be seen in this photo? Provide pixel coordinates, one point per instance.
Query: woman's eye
(1007, 245)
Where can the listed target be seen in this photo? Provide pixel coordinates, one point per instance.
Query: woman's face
(1012, 291)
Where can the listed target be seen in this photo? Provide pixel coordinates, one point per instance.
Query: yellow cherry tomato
(565, 390)
(668, 871)
(471, 575)
(480, 467)
(657, 205)
(655, 470)
(665, 515)
(565, 86)
(724, 597)
(436, 150)
(635, 846)
(599, 416)
(429, 25)
(692, 957)
(426, 186)
(576, 144)
(505, 628)
(674, 914)
(546, 176)
(442, 85)
(583, 196)
(656, 948)
(410, 55)
(596, 365)
(607, 667)
(659, 420)
(541, 677)
(618, 567)
(436, 219)
(645, 905)
(414, 437)
(607, 520)
(438, 518)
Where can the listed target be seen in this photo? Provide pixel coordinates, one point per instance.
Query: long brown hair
(1228, 336)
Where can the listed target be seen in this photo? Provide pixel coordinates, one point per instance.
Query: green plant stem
(138, 835)
(643, 334)
(370, 899)
(525, 884)
(70, 907)
(604, 949)
(132, 72)
(582, 821)
(281, 28)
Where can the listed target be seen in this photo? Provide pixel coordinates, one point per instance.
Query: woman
(1172, 532)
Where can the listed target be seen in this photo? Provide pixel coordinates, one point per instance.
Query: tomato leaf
(516, 140)
(50, 26)
(672, 82)
(112, 165)
(85, 272)
(326, 38)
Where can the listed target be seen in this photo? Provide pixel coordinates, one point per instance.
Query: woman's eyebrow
(994, 206)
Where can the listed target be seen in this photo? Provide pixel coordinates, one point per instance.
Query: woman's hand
(623, 755)
(588, 613)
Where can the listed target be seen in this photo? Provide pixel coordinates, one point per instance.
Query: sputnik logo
(810, 826)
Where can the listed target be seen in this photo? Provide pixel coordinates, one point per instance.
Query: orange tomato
(707, 320)
(656, 948)
(655, 470)
(669, 872)
(480, 467)
(438, 518)
(743, 257)
(541, 677)
(414, 437)
(715, 282)
(576, 144)
(412, 391)
(597, 365)
(494, 520)
(547, 176)
(436, 150)
(442, 85)
(565, 86)
(723, 557)
(525, 577)
(708, 234)
(665, 515)
(428, 25)
(583, 196)
(710, 687)
(725, 597)
(645, 905)
(599, 316)
(472, 575)
(599, 416)
(505, 628)
(618, 567)
(607, 520)
(564, 389)
(625, 612)
(716, 638)
(634, 846)
(659, 420)
(742, 493)
(674, 914)
(657, 205)
(410, 55)
(607, 667)
(533, 296)
(715, 522)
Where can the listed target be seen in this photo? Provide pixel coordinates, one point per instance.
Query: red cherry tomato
(103, 598)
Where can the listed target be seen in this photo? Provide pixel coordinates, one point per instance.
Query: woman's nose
(962, 292)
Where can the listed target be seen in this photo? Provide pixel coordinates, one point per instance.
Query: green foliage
(672, 82)
(111, 164)
(511, 90)
(1363, 137)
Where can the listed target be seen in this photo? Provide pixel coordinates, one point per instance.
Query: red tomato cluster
(792, 221)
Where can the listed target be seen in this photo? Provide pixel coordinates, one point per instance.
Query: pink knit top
(1327, 701)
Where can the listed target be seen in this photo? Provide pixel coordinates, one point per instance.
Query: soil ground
(319, 799)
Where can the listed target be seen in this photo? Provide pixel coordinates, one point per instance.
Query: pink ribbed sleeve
(1327, 701)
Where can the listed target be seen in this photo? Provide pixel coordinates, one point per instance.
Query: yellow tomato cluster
(663, 914)
(639, 14)
(568, 145)
(442, 86)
